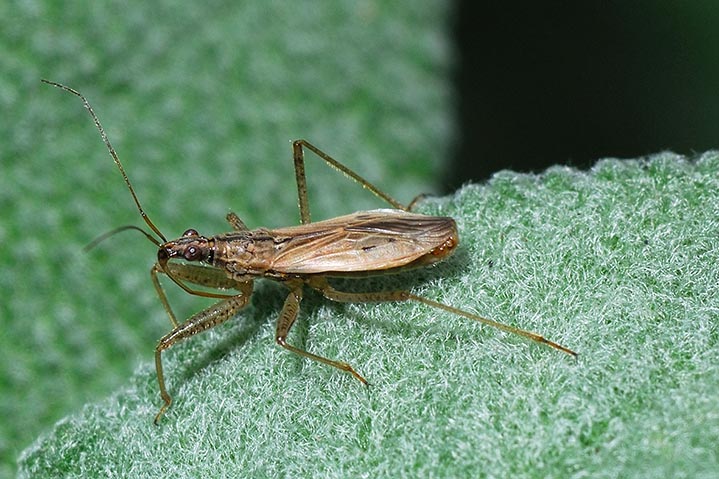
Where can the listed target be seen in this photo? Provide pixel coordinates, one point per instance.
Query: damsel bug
(360, 244)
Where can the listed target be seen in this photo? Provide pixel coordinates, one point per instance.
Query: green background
(201, 103)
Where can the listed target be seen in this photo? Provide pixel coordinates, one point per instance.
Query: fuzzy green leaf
(617, 263)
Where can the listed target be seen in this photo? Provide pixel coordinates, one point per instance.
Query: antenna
(113, 154)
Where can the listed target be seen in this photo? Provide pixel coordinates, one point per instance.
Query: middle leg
(287, 319)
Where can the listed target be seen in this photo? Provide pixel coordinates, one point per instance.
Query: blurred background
(201, 102)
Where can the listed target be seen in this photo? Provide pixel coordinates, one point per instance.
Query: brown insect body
(360, 244)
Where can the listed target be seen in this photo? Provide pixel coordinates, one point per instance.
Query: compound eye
(191, 232)
(192, 253)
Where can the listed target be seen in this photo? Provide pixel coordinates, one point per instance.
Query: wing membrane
(364, 241)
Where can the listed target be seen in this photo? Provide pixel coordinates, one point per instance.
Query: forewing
(364, 241)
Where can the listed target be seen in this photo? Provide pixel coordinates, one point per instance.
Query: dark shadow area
(541, 84)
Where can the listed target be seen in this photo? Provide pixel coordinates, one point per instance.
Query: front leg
(202, 321)
(201, 275)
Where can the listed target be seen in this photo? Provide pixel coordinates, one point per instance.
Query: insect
(365, 243)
